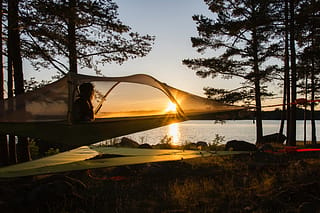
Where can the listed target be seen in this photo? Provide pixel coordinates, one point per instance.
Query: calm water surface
(206, 130)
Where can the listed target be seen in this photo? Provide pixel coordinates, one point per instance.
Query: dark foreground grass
(256, 182)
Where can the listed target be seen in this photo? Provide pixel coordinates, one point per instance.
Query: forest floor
(255, 182)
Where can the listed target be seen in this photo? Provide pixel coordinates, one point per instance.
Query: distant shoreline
(276, 115)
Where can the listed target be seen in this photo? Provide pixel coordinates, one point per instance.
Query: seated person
(82, 107)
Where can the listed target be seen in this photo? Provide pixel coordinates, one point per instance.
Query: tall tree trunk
(14, 45)
(283, 113)
(313, 86)
(72, 37)
(15, 51)
(313, 123)
(259, 130)
(292, 136)
(4, 149)
(287, 70)
(12, 141)
(285, 107)
(305, 115)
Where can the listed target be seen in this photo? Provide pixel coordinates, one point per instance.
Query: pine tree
(14, 52)
(308, 39)
(49, 33)
(4, 149)
(87, 33)
(243, 30)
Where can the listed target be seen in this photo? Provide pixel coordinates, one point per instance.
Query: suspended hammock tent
(122, 105)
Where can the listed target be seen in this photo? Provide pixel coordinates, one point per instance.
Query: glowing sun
(171, 107)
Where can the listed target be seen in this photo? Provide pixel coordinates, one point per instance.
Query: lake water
(206, 130)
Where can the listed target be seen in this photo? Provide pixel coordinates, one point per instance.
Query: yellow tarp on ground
(78, 154)
(76, 160)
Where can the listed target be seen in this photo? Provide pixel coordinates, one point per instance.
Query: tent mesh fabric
(137, 95)
(47, 103)
(122, 105)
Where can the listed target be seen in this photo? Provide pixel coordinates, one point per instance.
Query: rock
(273, 138)
(266, 148)
(145, 146)
(190, 146)
(163, 146)
(127, 142)
(201, 144)
(236, 145)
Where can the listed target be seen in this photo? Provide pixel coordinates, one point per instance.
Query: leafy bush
(34, 149)
(52, 151)
(217, 143)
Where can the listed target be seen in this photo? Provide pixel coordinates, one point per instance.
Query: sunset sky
(170, 21)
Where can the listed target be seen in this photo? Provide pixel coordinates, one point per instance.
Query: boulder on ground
(163, 146)
(190, 146)
(201, 144)
(127, 142)
(236, 145)
(145, 146)
(273, 138)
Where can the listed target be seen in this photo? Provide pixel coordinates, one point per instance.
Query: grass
(241, 183)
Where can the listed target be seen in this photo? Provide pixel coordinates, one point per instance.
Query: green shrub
(217, 143)
(34, 149)
(52, 151)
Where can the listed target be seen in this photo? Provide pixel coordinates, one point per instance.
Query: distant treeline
(266, 115)
(276, 115)
(300, 113)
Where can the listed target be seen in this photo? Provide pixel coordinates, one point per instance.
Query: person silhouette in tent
(82, 107)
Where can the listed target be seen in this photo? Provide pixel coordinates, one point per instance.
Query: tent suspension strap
(104, 97)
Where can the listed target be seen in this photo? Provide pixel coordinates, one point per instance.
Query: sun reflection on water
(174, 133)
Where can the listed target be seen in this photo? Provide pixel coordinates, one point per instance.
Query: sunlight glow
(171, 107)
(174, 133)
